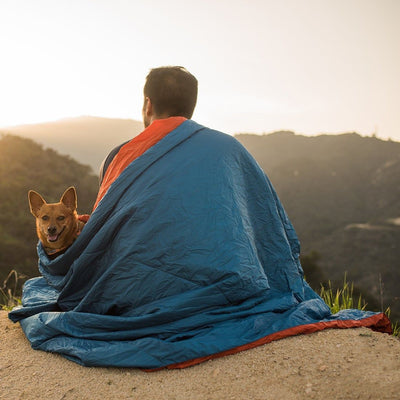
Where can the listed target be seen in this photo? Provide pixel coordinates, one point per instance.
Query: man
(168, 92)
(188, 254)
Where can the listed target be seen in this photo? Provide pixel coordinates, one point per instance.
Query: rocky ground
(332, 364)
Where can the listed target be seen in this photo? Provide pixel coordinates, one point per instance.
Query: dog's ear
(36, 201)
(69, 198)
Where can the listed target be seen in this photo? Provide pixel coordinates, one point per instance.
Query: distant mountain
(330, 180)
(86, 139)
(342, 194)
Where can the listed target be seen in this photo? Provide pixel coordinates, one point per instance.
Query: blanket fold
(188, 254)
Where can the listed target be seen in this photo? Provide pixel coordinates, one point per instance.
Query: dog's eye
(45, 218)
(60, 218)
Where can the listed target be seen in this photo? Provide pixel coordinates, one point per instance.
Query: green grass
(395, 325)
(8, 296)
(343, 299)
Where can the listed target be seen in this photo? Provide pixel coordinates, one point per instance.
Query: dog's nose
(52, 230)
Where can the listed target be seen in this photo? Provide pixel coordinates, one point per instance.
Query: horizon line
(264, 133)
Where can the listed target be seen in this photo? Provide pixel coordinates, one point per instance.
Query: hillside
(329, 181)
(342, 193)
(87, 139)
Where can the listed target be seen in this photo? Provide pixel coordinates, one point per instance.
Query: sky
(311, 66)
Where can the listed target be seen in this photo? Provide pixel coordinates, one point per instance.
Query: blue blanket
(189, 254)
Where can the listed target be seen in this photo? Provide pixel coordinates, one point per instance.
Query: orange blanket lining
(135, 148)
(378, 322)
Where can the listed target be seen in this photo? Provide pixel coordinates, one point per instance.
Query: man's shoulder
(107, 161)
(211, 132)
(216, 137)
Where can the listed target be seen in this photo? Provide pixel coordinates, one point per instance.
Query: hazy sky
(311, 66)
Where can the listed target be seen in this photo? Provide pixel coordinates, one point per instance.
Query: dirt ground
(332, 364)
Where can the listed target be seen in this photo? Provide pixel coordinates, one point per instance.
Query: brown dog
(57, 224)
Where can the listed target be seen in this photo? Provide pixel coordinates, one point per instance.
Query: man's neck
(157, 117)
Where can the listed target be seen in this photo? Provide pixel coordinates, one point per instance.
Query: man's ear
(148, 107)
(36, 202)
(69, 198)
(147, 112)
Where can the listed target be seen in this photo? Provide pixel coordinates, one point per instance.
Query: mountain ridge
(87, 139)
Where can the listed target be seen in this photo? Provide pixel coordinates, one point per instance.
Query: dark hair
(172, 91)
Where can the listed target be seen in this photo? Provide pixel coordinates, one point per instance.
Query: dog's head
(56, 223)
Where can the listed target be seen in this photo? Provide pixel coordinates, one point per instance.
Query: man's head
(169, 92)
